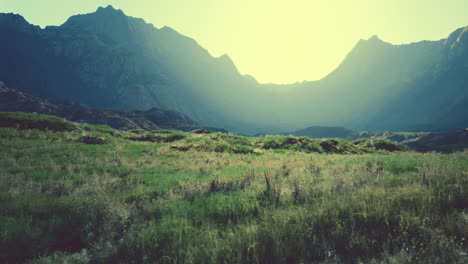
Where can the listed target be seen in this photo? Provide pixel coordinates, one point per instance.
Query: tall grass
(147, 202)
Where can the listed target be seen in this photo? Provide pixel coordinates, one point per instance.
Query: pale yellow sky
(274, 41)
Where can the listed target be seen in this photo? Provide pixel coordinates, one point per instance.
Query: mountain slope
(440, 142)
(108, 60)
(437, 99)
(379, 86)
(152, 119)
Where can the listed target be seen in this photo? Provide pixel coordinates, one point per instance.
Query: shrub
(241, 149)
(93, 140)
(160, 138)
(380, 144)
(222, 147)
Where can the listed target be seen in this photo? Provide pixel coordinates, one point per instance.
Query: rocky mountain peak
(16, 22)
(111, 23)
(103, 15)
(373, 41)
(109, 10)
(366, 49)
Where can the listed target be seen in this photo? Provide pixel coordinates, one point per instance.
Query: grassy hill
(80, 193)
(155, 118)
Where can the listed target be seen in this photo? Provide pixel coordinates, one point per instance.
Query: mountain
(440, 142)
(319, 132)
(434, 97)
(324, 132)
(108, 60)
(155, 118)
(345, 133)
(418, 141)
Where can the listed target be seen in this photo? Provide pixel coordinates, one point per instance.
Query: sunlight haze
(274, 41)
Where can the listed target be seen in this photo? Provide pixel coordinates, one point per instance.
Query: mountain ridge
(12, 100)
(452, 39)
(138, 66)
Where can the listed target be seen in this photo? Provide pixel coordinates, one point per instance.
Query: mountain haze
(109, 60)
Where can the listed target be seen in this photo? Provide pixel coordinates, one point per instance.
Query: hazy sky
(274, 40)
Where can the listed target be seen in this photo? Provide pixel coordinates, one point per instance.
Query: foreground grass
(150, 200)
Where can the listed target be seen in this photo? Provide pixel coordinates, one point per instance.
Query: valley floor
(131, 200)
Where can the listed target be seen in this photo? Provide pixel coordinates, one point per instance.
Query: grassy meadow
(176, 197)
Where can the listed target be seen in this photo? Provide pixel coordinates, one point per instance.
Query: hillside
(77, 193)
(440, 142)
(204, 140)
(418, 141)
(324, 132)
(155, 118)
(108, 60)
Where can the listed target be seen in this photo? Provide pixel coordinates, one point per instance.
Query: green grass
(29, 121)
(217, 198)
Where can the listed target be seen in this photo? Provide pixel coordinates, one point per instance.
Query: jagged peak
(107, 16)
(101, 12)
(109, 9)
(373, 39)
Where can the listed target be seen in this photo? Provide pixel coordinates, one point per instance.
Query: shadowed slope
(154, 118)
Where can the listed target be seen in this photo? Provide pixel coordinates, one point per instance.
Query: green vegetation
(220, 198)
(21, 120)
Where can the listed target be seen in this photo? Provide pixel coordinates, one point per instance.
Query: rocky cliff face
(108, 60)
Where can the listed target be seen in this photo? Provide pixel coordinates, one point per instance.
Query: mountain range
(108, 60)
